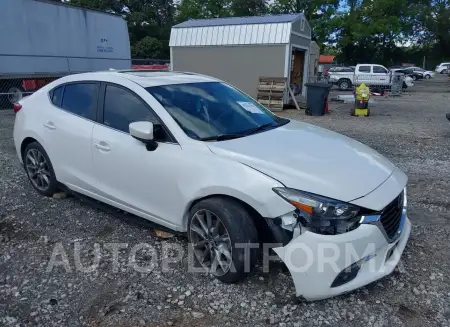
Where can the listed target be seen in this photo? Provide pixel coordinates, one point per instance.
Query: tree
(194, 9)
(317, 12)
(248, 7)
(148, 47)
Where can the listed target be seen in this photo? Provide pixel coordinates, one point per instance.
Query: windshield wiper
(221, 137)
(258, 129)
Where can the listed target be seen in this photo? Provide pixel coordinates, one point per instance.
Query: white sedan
(194, 154)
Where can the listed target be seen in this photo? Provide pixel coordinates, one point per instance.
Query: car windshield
(214, 111)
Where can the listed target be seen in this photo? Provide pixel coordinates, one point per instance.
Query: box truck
(41, 40)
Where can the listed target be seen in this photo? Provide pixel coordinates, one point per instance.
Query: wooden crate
(271, 92)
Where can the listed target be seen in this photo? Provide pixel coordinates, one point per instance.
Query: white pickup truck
(374, 76)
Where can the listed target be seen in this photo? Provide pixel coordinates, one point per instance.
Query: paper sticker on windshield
(249, 107)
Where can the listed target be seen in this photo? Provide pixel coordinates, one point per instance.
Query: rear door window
(364, 69)
(81, 99)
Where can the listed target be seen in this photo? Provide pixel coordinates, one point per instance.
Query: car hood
(312, 159)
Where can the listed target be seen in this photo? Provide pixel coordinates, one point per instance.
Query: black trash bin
(316, 98)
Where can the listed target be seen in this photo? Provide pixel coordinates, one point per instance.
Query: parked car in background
(179, 149)
(374, 76)
(426, 74)
(339, 69)
(409, 72)
(443, 68)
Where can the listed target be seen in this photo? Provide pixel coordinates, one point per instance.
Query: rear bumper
(315, 261)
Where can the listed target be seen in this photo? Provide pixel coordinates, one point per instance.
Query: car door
(363, 75)
(381, 75)
(130, 176)
(67, 125)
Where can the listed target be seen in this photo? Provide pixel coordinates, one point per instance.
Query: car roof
(145, 78)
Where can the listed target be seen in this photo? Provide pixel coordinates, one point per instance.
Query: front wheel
(220, 231)
(427, 76)
(344, 84)
(39, 169)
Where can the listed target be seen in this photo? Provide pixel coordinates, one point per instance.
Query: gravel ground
(410, 130)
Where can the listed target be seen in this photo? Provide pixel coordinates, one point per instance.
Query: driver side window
(121, 108)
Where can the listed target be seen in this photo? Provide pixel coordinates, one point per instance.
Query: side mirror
(143, 131)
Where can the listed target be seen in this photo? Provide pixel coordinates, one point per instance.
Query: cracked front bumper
(315, 260)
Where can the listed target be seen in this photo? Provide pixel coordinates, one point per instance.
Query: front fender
(223, 176)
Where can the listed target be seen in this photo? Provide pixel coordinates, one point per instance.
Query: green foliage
(354, 30)
(148, 47)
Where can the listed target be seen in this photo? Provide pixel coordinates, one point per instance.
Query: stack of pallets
(271, 92)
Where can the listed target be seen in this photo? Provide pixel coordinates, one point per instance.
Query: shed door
(298, 61)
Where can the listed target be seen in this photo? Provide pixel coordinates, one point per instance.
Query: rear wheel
(218, 230)
(344, 84)
(39, 169)
(15, 94)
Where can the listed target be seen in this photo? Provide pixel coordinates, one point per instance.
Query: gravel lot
(410, 130)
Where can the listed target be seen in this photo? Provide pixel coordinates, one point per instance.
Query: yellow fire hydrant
(361, 106)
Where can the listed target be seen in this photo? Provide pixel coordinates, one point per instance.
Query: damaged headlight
(320, 214)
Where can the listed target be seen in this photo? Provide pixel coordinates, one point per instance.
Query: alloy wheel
(211, 242)
(344, 85)
(37, 169)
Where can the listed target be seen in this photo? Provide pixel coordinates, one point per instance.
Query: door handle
(50, 125)
(102, 146)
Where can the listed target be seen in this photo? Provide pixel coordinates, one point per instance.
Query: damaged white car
(195, 155)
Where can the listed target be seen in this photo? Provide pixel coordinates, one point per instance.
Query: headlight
(322, 215)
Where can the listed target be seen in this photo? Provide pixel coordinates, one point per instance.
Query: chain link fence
(15, 88)
(156, 64)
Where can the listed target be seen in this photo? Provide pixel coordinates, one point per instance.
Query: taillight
(17, 107)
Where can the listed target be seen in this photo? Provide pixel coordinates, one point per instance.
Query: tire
(344, 84)
(47, 185)
(236, 223)
(444, 71)
(15, 94)
(414, 78)
(427, 76)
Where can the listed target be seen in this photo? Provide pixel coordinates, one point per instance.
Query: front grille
(391, 215)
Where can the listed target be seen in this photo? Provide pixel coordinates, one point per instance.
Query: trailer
(43, 40)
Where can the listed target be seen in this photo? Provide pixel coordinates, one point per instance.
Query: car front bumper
(315, 261)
